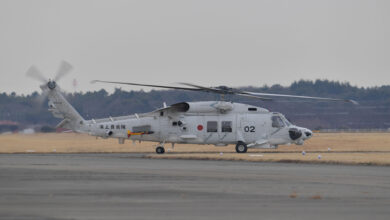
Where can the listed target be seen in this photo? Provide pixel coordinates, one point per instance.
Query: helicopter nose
(294, 133)
(308, 133)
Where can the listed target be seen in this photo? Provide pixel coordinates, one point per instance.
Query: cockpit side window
(277, 122)
(286, 122)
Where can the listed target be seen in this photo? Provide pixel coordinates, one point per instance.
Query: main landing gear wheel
(241, 147)
(160, 150)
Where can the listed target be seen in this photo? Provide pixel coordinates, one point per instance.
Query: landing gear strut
(160, 150)
(241, 147)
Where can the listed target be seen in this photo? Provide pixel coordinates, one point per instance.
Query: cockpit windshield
(277, 122)
(286, 121)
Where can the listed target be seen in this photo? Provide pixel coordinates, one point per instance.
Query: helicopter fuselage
(219, 123)
(208, 122)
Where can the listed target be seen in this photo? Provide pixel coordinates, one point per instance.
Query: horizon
(112, 88)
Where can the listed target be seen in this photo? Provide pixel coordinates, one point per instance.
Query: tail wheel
(160, 150)
(241, 147)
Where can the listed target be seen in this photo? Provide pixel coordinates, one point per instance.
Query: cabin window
(123, 126)
(106, 126)
(117, 126)
(277, 122)
(101, 126)
(212, 126)
(174, 123)
(112, 126)
(161, 113)
(227, 126)
(252, 109)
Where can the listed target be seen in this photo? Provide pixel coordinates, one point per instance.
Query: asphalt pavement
(126, 186)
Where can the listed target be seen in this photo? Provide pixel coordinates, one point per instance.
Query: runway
(126, 186)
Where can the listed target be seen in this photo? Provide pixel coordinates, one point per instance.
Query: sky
(206, 42)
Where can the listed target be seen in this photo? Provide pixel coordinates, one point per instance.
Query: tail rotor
(34, 73)
(63, 70)
(48, 84)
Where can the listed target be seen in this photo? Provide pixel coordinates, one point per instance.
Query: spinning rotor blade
(148, 85)
(253, 96)
(34, 73)
(226, 90)
(300, 97)
(207, 89)
(64, 69)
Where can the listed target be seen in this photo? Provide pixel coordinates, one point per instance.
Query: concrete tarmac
(126, 186)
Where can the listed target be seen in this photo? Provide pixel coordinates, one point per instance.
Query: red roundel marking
(200, 127)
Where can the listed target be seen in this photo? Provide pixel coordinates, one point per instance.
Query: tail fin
(57, 103)
(61, 108)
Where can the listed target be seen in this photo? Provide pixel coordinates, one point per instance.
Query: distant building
(9, 126)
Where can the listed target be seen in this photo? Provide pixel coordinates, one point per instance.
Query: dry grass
(348, 148)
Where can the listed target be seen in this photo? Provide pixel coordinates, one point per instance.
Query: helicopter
(218, 123)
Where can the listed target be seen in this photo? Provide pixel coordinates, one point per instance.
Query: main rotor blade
(209, 89)
(300, 97)
(253, 96)
(64, 69)
(34, 73)
(147, 85)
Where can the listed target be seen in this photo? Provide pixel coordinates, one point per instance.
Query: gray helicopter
(218, 123)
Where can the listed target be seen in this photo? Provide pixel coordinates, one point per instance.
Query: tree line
(373, 111)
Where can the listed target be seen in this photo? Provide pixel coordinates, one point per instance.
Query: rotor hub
(51, 84)
(225, 90)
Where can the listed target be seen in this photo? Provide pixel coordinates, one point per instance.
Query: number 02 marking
(249, 128)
